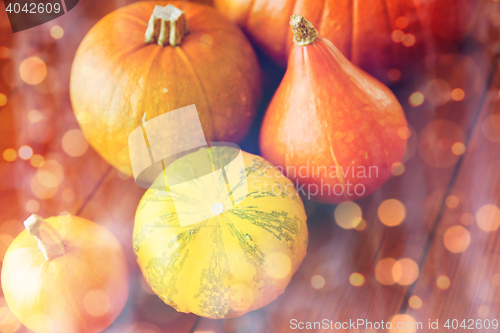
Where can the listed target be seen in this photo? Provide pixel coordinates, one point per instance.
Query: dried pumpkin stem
(49, 240)
(167, 26)
(304, 33)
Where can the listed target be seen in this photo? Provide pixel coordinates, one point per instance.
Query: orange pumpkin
(119, 80)
(377, 35)
(65, 274)
(331, 127)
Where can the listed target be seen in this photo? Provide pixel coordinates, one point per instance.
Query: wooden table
(442, 262)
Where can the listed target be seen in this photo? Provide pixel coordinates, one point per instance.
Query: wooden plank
(474, 271)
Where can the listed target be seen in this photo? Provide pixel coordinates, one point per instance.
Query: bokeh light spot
(405, 271)
(35, 116)
(397, 36)
(33, 70)
(56, 32)
(356, 279)
(416, 99)
(317, 282)
(9, 155)
(74, 143)
(415, 302)
(467, 219)
(488, 218)
(409, 40)
(96, 303)
(383, 271)
(452, 201)
(456, 239)
(457, 94)
(278, 265)
(401, 22)
(408, 324)
(4, 52)
(37, 161)
(404, 133)
(394, 74)
(348, 215)
(32, 206)
(397, 168)
(3, 99)
(391, 212)
(361, 225)
(435, 143)
(25, 152)
(443, 282)
(458, 148)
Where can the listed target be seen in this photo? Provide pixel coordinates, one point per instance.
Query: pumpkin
(334, 129)
(121, 78)
(248, 243)
(377, 35)
(65, 274)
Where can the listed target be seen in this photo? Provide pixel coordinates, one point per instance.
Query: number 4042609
(472, 324)
(34, 8)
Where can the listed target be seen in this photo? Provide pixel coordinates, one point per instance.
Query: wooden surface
(439, 190)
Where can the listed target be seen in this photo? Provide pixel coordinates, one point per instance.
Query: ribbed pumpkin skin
(327, 118)
(117, 80)
(360, 29)
(232, 263)
(48, 296)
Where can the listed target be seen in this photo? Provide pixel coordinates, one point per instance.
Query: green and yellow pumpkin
(237, 260)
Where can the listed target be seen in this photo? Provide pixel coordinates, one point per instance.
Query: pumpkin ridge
(212, 121)
(132, 18)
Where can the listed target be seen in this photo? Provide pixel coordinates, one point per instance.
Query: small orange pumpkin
(65, 274)
(331, 127)
(121, 78)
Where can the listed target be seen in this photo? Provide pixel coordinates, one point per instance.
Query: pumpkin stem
(50, 242)
(167, 26)
(304, 33)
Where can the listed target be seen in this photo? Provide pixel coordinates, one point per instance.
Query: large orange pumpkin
(65, 274)
(362, 30)
(332, 128)
(119, 80)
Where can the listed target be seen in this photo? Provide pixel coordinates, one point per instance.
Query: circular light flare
(456, 239)
(404, 133)
(242, 297)
(33, 70)
(4, 52)
(394, 74)
(401, 22)
(458, 148)
(436, 141)
(3, 99)
(484, 311)
(452, 201)
(361, 225)
(443, 282)
(74, 143)
(438, 92)
(278, 265)
(25, 152)
(488, 218)
(356, 279)
(317, 282)
(348, 215)
(56, 32)
(405, 271)
(35, 116)
(37, 161)
(409, 40)
(97, 303)
(467, 219)
(32, 206)
(9, 155)
(383, 271)
(416, 99)
(407, 321)
(415, 302)
(397, 168)
(397, 36)
(457, 94)
(391, 212)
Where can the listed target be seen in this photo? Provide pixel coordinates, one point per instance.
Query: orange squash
(121, 77)
(65, 274)
(362, 30)
(331, 127)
